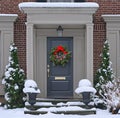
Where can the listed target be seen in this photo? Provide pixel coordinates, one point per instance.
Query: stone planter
(86, 97)
(86, 90)
(32, 98)
(31, 90)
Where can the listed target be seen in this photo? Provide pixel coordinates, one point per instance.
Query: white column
(30, 57)
(89, 51)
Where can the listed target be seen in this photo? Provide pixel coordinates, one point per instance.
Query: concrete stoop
(59, 106)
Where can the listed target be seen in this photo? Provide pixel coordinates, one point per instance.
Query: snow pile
(70, 104)
(31, 87)
(84, 82)
(41, 104)
(19, 113)
(85, 86)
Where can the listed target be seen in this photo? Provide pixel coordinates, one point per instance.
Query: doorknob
(48, 70)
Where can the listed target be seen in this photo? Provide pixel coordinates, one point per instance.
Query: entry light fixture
(60, 31)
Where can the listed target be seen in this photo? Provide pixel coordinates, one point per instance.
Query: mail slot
(60, 78)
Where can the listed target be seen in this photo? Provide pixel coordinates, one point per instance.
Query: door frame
(41, 59)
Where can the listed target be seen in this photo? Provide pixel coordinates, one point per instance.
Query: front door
(59, 75)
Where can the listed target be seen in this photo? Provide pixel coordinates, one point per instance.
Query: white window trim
(6, 36)
(113, 36)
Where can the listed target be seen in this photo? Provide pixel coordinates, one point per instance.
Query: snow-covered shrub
(13, 80)
(99, 102)
(30, 86)
(112, 95)
(104, 73)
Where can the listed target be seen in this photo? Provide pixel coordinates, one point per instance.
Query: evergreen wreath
(60, 55)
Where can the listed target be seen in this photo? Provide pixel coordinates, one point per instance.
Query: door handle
(48, 70)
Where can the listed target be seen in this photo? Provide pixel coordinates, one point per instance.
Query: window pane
(79, 0)
(41, 0)
(60, 0)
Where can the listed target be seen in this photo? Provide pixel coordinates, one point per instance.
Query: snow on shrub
(85, 86)
(105, 71)
(30, 87)
(112, 95)
(13, 81)
(99, 102)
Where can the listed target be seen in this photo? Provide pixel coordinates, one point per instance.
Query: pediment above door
(59, 13)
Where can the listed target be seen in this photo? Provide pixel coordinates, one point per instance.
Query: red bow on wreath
(59, 55)
(60, 49)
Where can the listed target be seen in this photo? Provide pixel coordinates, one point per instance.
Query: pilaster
(89, 51)
(30, 56)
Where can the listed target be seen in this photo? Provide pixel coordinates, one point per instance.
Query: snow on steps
(58, 106)
(62, 110)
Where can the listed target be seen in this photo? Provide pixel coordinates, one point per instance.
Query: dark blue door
(59, 77)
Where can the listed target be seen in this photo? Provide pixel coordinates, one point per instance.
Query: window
(41, 0)
(60, 0)
(79, 0)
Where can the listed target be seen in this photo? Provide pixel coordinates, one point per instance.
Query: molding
(112, 22)
(33, 7)
(111, 18)
(8, 17)
(59, 13)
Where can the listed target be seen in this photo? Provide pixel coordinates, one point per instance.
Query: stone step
(62, 110)
(58, 106)
(56, 100)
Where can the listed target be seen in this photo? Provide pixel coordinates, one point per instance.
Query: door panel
(60, 78)
(56, 86)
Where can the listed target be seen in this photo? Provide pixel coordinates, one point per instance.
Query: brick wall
(11, 7)
(106, 7)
